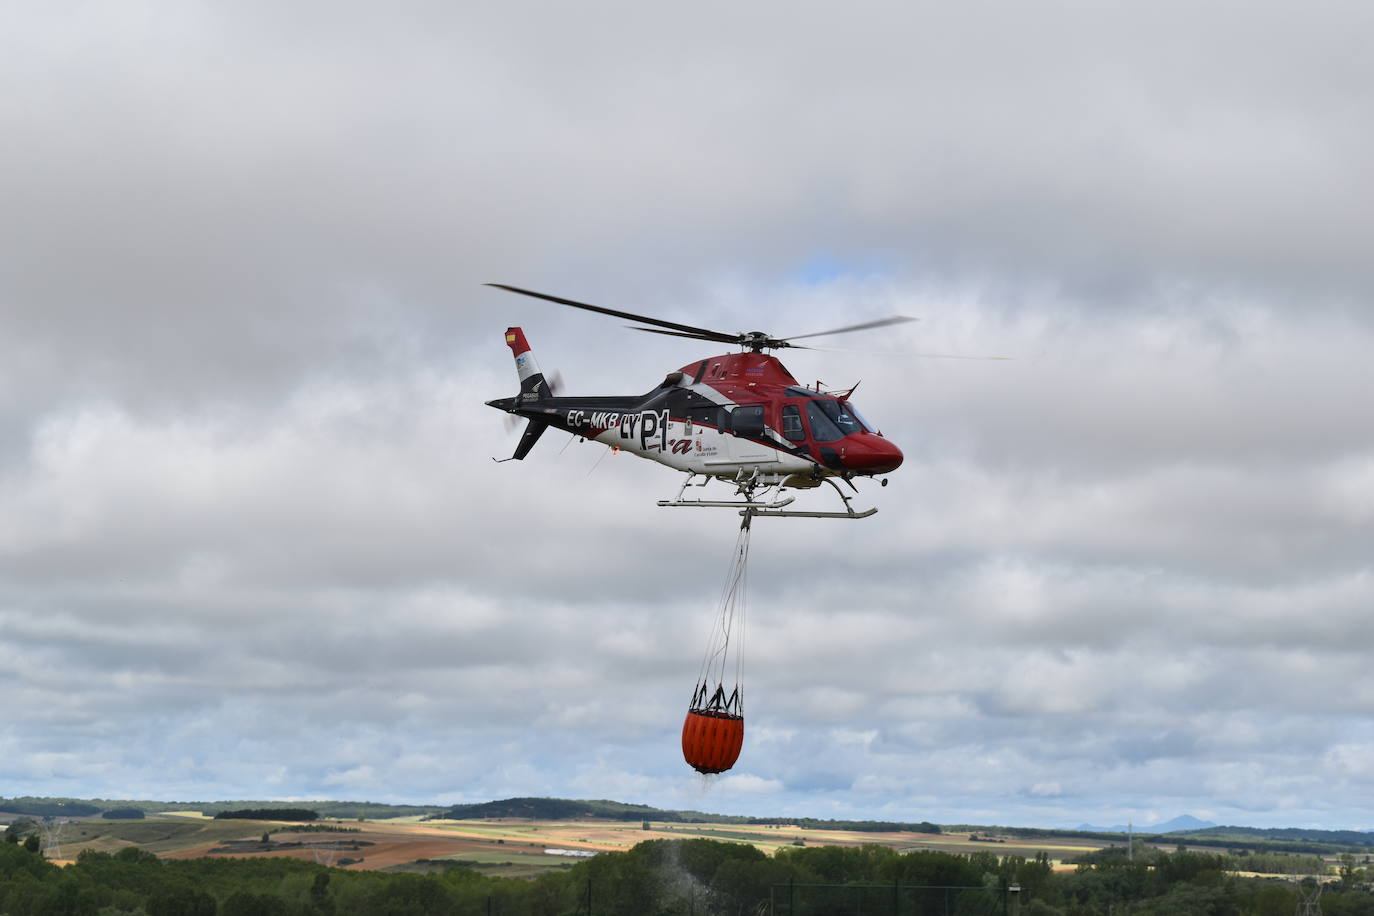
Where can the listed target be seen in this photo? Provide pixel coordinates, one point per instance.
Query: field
(508, 847)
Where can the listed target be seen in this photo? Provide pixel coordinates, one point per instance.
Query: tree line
(270, 814)
(49, 807)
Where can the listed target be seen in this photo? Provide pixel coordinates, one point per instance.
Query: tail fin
(533, 385)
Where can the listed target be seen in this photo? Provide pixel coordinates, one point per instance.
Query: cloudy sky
(252, 544)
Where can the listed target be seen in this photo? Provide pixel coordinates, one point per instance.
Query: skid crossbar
(757, 507)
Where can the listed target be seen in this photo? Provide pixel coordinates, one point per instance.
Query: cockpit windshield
(863, 421)
(831, 420)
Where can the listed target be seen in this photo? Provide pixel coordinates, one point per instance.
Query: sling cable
(713, 732)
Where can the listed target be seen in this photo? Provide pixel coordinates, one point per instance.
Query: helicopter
(740, 418)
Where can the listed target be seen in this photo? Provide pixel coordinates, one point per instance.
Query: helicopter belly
(722, 455)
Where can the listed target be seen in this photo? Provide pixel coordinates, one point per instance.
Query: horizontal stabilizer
(533, 430)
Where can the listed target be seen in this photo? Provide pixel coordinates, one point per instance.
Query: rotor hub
(759, 340)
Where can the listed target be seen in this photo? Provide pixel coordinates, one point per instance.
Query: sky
(253, 545)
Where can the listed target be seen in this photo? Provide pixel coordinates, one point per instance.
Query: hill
(1289, 835)
(89, 807)
(1184, 822)
(563, 809)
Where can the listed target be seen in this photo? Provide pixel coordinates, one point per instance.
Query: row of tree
(49, 807)
(123, 814)
(661, 878)
(270, 814)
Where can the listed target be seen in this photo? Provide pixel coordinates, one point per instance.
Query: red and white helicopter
(740, 418)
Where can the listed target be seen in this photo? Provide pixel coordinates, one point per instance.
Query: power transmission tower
(1309, 901)
(52, 831)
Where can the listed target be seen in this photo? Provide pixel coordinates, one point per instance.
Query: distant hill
(1290, 834)
(48, 807)
(1184, 822)
(561, 809)
(79, 807)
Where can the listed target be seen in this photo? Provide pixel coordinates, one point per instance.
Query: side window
(709, 416)
(792, 424)
(747, 421)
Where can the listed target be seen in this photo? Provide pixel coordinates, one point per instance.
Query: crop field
(508, 847)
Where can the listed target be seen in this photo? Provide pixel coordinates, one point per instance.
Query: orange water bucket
(711, 741)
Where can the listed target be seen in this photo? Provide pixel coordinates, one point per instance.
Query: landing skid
(747, 489)
(765, 507)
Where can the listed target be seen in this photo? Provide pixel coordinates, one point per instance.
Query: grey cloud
(251, 542)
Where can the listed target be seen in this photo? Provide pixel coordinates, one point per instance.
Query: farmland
(508, 847)
(523, 837)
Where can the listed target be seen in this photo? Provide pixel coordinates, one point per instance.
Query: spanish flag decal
(510, 338)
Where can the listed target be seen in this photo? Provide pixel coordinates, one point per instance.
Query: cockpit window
(791, 423)
(831, 420)
(823, 429)
(853, 411)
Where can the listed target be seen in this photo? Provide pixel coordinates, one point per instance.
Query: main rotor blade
(709, 335)
(906, 353)
(714, 335)
(878, 323)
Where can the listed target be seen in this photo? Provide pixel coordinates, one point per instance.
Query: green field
(158, 835)
(517, 858)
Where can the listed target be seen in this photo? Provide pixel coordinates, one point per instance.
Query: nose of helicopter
(871, 454)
